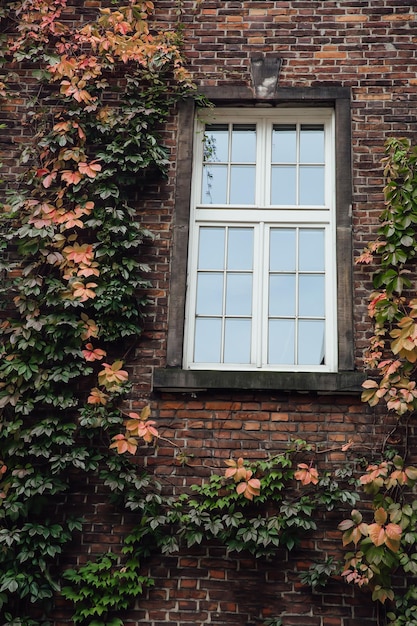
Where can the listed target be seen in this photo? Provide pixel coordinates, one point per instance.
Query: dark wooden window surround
(173, 377)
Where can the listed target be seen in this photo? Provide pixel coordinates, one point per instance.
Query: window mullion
(297, 166)
(229, 166)
(263, 165)
(259, 292)
(224, 294)
(297, 295)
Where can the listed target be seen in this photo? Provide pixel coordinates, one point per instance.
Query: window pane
(282, 295)
(240, 249)
(311, 342)
(211, 249)
(244, 143)
(237, 341)
(283, 185)
(242, 184)
(209, 294)
(312, 143)
(239, 294)
(281, 342)
(207, 340)
(311, 251)
(311, 185)
(311, 295)
(214, 188)
(284, 143)
(216, 143)
(282, 250)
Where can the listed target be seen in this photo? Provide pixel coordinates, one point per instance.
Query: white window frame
(264, 216)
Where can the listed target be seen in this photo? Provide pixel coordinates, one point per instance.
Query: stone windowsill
(178, 380)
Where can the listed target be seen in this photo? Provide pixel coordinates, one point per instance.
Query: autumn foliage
(392, 354)
(73, 279)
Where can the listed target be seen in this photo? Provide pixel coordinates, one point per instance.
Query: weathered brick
(370, 48)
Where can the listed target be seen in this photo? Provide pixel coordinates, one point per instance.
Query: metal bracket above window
(265, 73)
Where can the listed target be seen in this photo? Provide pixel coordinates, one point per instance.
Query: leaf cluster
(388, 543)
(393, 347)
(106, 585)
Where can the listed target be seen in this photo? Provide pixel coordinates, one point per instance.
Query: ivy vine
(393, 306)
(74, 284)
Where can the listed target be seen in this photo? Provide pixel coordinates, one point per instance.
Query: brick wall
(370, 47)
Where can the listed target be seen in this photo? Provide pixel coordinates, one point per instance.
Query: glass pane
(281, 342)
(216, 143)
(283, 184)
(239, 294)
(312, 185)
(209, 294)
(214, 188)
(207, 341)
(282, 295)
(211, 249)
(244, 143)
(240, 249)
(311, 342)
(311, 250)
(242, 184)
(312, 143)
(237, 341)
(282, 250)
(311, 295)
(284, 143)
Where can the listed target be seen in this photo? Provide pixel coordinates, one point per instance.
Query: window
(262, 283)
(308, 117)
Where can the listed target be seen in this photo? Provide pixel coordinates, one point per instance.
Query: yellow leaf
(376, 534)
(381, 516)
(411, 472)
(145, 412)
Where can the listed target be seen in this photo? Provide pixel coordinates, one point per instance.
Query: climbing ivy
(387, 545)
(286, 507)
(393, 306)
(74, 284)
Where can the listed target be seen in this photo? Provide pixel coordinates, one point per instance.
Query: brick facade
(368, 47)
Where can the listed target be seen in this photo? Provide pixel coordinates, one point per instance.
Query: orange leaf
(381, 516)
(83, 292)
(97, 397)
(90, 328)
(376, 534)
(93, 354)
(70, 177)
(48, 180)
(306, 474)
(79, 254)
(236, 469)
(112, 377)
(147, 431)
(250, 487)
(89, 169)
(370, 384)
(123, 444)
(394, 531)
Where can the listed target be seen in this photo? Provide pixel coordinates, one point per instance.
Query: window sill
(178, 380)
